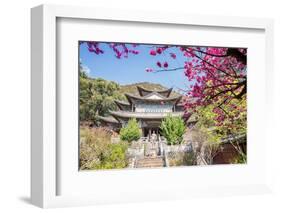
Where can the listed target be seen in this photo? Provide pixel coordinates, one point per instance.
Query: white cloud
(86, 69)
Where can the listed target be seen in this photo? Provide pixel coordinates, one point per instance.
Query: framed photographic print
(147, 106)
(188, 110)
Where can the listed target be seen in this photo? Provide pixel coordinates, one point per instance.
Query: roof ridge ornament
(132, 97)
(143, 92)
(154, 93)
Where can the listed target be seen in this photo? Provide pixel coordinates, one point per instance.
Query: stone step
(150, 162)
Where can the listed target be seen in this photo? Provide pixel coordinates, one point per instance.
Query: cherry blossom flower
(152, 52)
(159, 50)
(149, 70)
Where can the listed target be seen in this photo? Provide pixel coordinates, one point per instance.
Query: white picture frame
(44, 153)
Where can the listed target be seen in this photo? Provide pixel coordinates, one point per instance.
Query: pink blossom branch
(209, 63)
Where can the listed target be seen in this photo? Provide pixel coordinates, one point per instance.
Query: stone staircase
(149, 162)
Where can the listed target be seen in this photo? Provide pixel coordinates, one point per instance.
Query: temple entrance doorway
(148, 131)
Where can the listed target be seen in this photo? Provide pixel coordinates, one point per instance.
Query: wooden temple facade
(149, 108)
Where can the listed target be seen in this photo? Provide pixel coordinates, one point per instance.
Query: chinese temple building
(149, 108)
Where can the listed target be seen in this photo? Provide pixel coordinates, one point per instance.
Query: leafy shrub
(173, 129)
(131, 131)
(97, 151)
(115, 157)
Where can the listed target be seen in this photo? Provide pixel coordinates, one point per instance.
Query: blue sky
(132, 69)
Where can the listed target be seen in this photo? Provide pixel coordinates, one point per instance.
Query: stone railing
(179, 148)
(143, 148)
(163, 147)
(136, 151)
(171, 150)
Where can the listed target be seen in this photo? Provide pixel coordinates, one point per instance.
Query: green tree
(97, 97)
(173, 129)
(131, 131)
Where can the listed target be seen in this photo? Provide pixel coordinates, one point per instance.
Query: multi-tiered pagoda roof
(148, 105)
